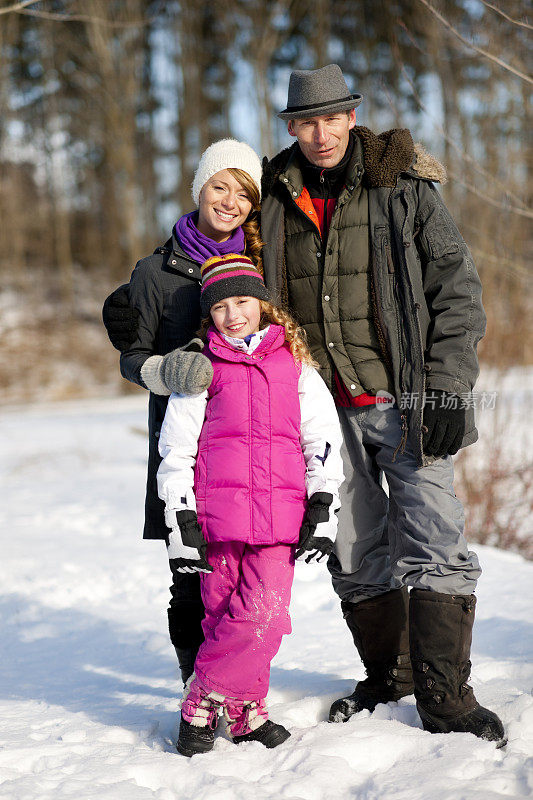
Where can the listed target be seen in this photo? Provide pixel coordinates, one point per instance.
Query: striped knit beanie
(232, 275)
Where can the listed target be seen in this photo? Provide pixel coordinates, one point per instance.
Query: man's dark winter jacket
(425, 290)
(165, 289)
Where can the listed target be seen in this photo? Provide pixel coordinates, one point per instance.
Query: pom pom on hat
(231, 275)
(226, 154)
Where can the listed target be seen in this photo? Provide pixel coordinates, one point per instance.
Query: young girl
(250, 469)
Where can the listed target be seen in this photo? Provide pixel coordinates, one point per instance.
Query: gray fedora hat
(313, 92)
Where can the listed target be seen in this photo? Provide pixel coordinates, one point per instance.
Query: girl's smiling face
(237, 316)
(224, 205)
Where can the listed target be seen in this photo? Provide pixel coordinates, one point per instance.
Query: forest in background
(106, 106)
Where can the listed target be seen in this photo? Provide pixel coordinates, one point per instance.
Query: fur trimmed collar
(385, 156)
(427, 166)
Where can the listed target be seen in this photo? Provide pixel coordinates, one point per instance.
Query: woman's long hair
(251, 229)
(294, 335)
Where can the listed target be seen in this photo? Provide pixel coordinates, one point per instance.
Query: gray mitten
(186, 370)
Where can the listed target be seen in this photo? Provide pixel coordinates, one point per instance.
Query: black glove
(317, 511)
(444, 424)
(120, 318)
(187, 547)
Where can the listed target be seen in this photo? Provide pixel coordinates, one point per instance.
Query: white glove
(329, 529)
(190, 557)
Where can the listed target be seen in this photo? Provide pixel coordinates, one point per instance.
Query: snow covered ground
(88, 679)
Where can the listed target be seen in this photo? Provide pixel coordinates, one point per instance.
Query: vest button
(331, 344)
(319, 254)
(352, 386)
(173, 261)
(285, 180)
(295, 194)
(326, 297)
(191, 269)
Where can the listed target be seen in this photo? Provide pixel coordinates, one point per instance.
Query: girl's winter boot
(199, 716)
(249, 722)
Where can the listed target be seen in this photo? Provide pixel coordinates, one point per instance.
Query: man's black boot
(441, 637)
(185, 629)
(380, 630)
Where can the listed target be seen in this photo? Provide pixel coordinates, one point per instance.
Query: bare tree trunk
(322, 31)
(119, 73)
(265, 38)
(57, 158)
(12, 208)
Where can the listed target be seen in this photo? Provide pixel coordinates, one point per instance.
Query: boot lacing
(247, 717)
(464, 674)
(201, 708)
(396, 673)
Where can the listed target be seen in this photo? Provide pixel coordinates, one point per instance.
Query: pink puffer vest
(249, 478)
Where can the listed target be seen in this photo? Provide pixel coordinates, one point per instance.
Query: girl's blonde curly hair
(294, 335)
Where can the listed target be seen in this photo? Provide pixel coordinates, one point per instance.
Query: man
(360, 246)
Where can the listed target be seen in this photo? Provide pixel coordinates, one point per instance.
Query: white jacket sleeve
(178, 447)
(320, 436)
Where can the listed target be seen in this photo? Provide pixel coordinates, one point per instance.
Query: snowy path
(88, 684)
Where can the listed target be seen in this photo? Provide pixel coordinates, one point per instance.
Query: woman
(165, 290)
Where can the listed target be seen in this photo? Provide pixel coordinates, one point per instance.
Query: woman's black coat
(165, 290)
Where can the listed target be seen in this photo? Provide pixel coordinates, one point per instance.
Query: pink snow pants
(246, 602)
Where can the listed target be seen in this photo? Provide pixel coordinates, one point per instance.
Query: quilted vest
(249, 475)
(329, 283)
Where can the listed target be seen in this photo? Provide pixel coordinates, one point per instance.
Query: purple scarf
(200, 247)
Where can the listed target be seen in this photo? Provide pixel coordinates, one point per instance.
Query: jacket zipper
(416, 306)
(403, 416)
(250, 470)
(414, 310)
(324, 214)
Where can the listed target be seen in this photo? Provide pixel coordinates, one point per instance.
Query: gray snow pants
(413, 537)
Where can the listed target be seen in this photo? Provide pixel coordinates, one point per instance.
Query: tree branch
(507, 17)
(17, 6)
(509, 265)
(462, 155)
(479, 50)
(22, 8)
(496, 203)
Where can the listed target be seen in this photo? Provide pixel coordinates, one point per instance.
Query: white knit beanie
(226, 154)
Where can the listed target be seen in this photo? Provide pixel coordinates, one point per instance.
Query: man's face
(323, 140)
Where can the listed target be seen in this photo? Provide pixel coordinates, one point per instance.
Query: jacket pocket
(385, 271)
(439, 235)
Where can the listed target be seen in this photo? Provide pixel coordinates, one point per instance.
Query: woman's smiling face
(224, 205)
